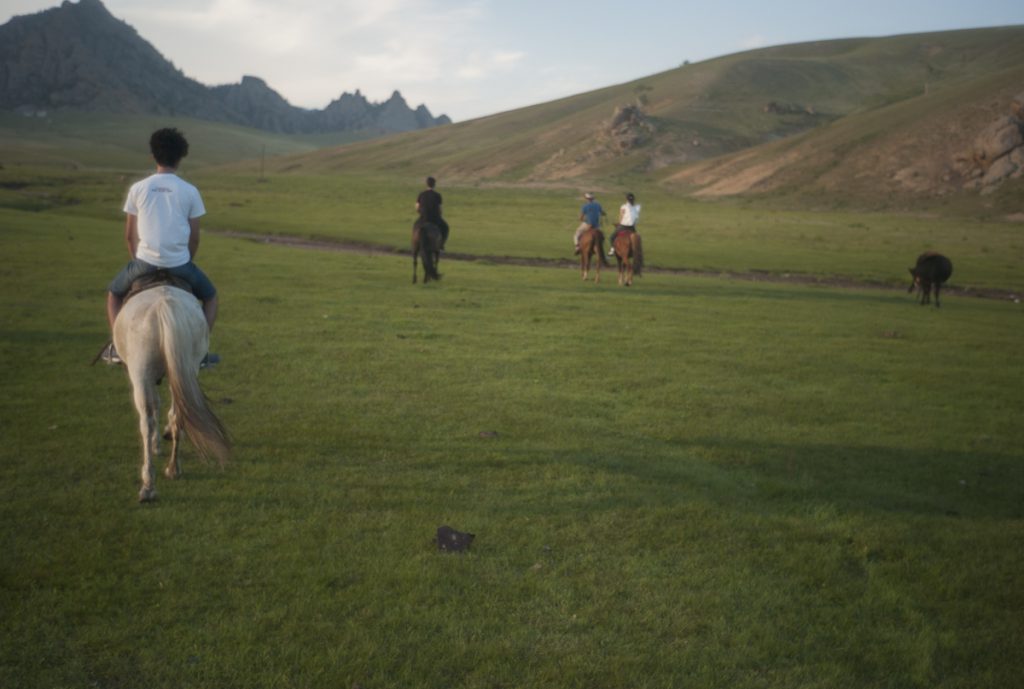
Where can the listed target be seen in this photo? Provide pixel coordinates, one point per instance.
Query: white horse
(161, 332)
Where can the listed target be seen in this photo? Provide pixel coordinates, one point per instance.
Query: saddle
(157, 278)
(427, 226)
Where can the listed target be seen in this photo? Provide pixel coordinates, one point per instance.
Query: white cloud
(477, 66)
(311, 51)
(508, 58)
(753, 42)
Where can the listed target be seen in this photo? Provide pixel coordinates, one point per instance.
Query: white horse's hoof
(147, 495)
(172, 473)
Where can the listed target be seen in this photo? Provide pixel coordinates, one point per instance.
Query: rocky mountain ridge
(78, 56)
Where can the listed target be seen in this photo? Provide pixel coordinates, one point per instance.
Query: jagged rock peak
(78, 56)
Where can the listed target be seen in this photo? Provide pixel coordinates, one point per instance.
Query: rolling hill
(871, 121)
(872, 115)
(77, 140)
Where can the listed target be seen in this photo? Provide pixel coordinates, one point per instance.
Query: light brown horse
(160, 333)
(591, 243)
(629, 254)
(426, 245)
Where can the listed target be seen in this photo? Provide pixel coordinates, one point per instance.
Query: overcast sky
(468, 58)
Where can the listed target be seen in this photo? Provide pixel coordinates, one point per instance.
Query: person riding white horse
(162, 232)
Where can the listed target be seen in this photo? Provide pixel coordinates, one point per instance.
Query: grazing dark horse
(591, 243)
(426, 246)
(931, 271)
(629, 254)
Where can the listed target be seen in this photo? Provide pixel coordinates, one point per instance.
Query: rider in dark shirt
(428, 205)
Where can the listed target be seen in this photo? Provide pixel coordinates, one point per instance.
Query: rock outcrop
(629, 128)
(998, 151)
(78, 56)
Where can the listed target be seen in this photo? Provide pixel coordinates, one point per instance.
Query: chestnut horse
(426, 245)
(591, 243)
(161, 332)
(629, 254)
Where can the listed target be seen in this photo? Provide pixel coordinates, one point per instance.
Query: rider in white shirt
(629, 216)
(162, 232)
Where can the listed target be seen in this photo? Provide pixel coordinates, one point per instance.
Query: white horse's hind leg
(147, 402)
(173, 468)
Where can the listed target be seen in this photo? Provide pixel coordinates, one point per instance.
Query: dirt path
(367, 249)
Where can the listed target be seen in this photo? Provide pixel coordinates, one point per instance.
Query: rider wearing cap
(590, 218)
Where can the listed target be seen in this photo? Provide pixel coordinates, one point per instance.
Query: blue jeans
(189, 272)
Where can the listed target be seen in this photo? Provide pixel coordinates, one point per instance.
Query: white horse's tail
(190, 403)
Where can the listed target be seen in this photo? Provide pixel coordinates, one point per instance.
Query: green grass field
(524, 222)
(85, 141)
(696, 482)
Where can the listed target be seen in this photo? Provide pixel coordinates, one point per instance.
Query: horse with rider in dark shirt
(428, 205)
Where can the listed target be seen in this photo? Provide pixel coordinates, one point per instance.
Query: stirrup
(108, 355)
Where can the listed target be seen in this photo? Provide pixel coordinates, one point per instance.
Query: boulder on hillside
(998, 139)
(1017, 158)
(999, 170)
(1017, 107)
(997, 153)
(629, 128)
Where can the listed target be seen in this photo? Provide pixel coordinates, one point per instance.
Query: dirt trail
(367, 249)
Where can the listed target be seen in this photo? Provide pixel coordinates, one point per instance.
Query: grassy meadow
(538, 222)
(696, 482)
(83, 141)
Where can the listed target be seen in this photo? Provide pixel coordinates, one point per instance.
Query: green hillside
(919, 146)
(106, 141)
(696, 112)
(871, 121)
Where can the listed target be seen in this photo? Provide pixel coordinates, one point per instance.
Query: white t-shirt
(164, 203)
(629, 215)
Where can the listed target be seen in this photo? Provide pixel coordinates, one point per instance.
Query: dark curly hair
(168, 146)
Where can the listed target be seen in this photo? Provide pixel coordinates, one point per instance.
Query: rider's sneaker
(611, 252)
(209, 360)
(110, 355)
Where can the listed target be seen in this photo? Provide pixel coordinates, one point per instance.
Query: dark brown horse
(591, 243)
(629, 254)
(426, 246)
(931, 271)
